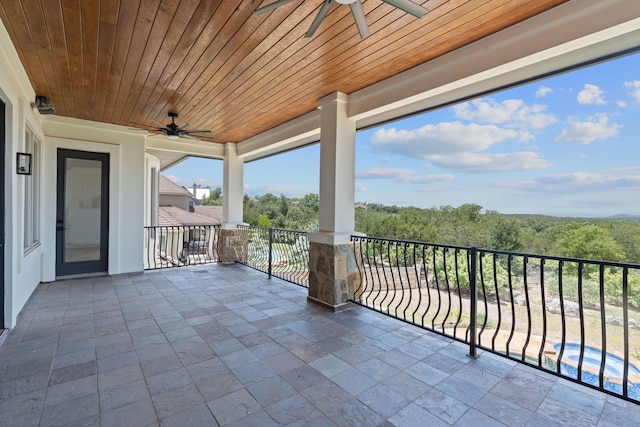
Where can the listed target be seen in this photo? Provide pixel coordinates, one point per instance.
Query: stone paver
(224, 345)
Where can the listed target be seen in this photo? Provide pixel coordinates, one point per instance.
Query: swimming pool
(592, 358)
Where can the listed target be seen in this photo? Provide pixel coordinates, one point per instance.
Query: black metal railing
(177, 246)
(579, 319)
(280, 253)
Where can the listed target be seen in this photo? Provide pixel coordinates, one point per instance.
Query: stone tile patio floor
(224, 345)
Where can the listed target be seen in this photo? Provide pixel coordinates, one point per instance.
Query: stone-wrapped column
(333, 274)
(232, 245)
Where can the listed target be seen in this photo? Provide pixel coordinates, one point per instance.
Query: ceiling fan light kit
(356, 10)
(174, 131)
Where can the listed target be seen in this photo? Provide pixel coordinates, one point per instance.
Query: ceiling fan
(356, 10)
(174, 131)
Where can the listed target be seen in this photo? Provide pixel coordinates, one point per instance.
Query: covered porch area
(224, 345)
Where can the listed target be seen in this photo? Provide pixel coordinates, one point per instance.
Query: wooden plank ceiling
(221, 66)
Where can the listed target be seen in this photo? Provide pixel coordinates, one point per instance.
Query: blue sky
(568, 145)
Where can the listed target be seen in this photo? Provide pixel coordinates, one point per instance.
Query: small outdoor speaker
(43, 105)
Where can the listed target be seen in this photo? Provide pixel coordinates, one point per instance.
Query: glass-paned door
(2, 205)
(82, 213)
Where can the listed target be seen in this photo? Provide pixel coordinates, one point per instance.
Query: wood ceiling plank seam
(228, 88)
(204, 69)
(210, 62)
(302, 44)
(292, 39)
(72, 30)
(340, 64)
(166, 13)
(478, 34)
(398, 54)
(90, 13)
(38, 74)
(338, 46)
(252, 9)
(194, 46)
(191, 41)
(147, 13)
(109, 11)
(124, 30)
(498, 24)
(245, 52)
(169, 44)
(55, 30)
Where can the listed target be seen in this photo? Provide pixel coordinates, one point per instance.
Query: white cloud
(622, 104)
(634, 89)
(543, 91)
(625, 169)
(591, 94)
(361, 187)
(482, 162)
(577, 182)
(441, 138)
(585, 132)
(383, 173)
(410, 176)
(510, 112)
(451, 145)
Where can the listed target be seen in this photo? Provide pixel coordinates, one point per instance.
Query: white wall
(126, 187)
(23, 270)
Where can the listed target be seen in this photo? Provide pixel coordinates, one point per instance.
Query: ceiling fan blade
(187, 132)
(408, 6)
(182, 126)
(270, 7)
(361, 21)
(324, 10)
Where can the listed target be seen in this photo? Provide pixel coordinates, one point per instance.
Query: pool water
(613, 369)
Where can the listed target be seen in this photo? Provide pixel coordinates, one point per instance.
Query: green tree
(589, 242)
(215, 198)
(506, 235)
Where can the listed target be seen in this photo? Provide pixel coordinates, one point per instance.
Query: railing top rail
(257, 227)
(355, 238)
(181, 226)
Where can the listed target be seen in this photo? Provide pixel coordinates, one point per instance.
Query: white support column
(232, 187)
(333, 273)
(337, 171)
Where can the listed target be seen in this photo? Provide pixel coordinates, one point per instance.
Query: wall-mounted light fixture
(43, 105)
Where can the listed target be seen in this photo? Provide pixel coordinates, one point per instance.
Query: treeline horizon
(609, 239)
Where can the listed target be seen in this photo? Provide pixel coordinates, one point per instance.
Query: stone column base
(232, 245)
(333, 274)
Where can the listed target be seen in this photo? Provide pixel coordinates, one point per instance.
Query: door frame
(82, 267)
(3, 170)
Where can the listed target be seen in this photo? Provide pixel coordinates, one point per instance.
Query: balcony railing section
(277, 252)
(579, 319)
(178, 246)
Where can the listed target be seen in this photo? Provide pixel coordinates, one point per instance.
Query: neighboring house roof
(169, 216)
(214, 212)
(166, 186)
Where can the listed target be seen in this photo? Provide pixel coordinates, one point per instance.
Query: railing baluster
(625, 331)
(473, 308)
